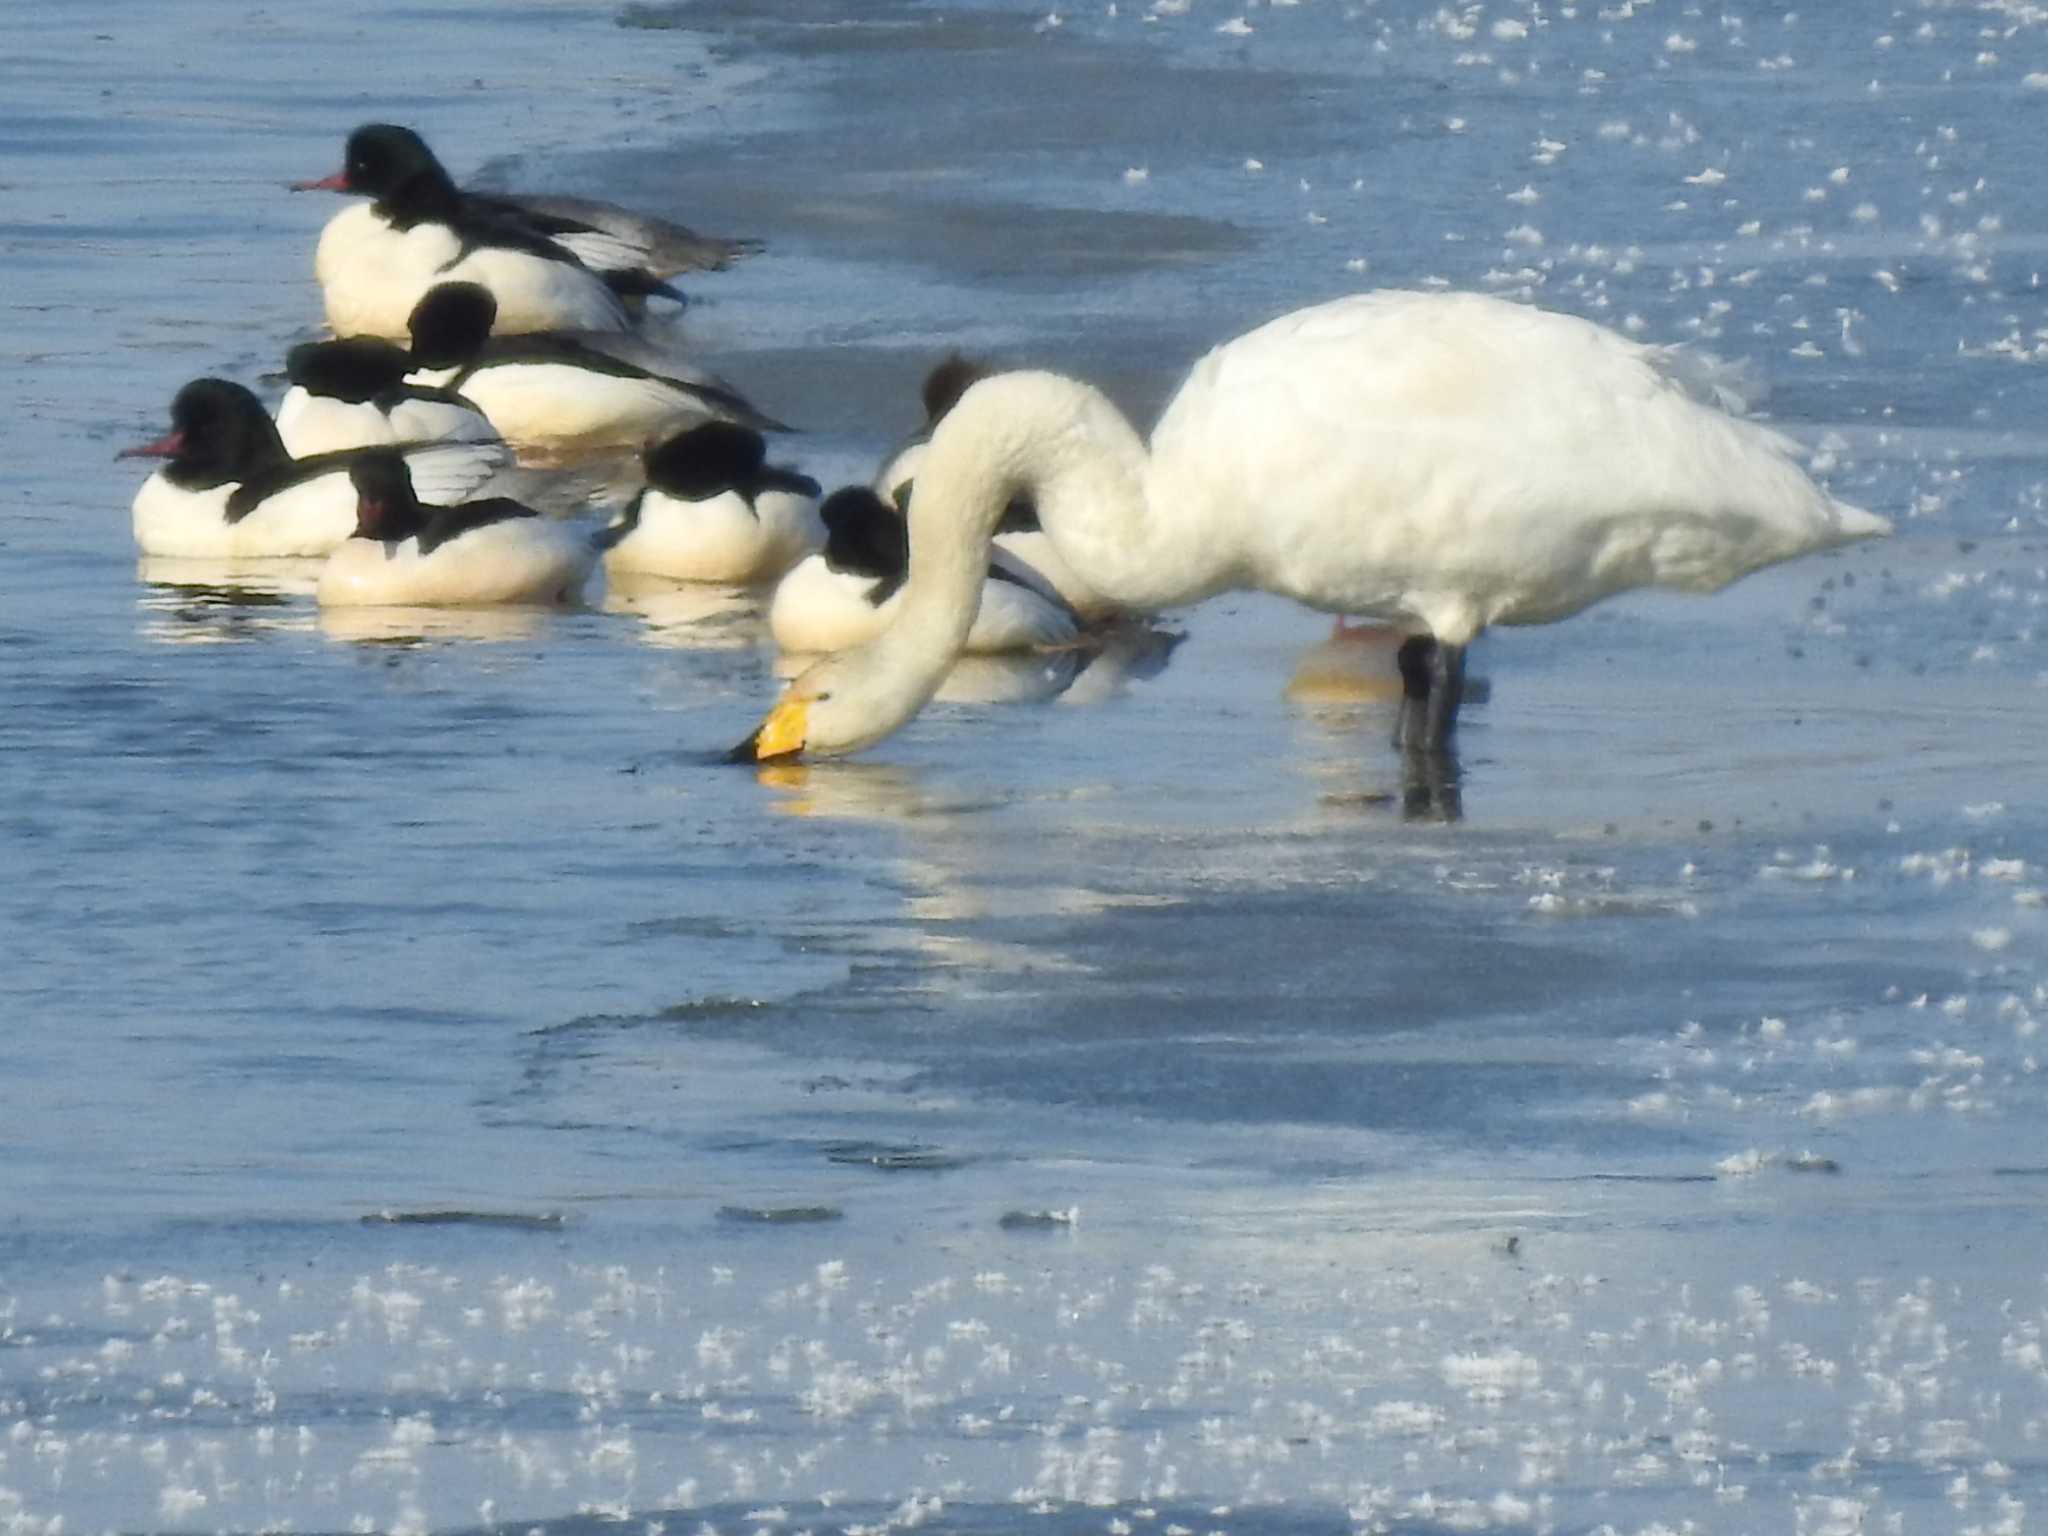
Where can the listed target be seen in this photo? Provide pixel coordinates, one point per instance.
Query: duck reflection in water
(196, 602)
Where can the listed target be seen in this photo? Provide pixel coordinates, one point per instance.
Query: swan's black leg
(1446, 693)
(1416, 661)
(1429, 787)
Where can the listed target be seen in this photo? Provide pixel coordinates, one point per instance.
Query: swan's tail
(1855, 523)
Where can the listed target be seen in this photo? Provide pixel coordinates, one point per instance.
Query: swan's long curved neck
(1055, 440)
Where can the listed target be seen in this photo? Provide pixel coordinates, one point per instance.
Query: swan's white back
(1461, 461)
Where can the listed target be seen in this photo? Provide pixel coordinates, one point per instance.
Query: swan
(714, 509)
(406, 553)
(849, 592)
(1446, 461)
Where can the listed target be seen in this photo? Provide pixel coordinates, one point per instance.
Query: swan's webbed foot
(1432, 688)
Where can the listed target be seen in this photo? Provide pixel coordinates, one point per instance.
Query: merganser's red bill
(168, 446)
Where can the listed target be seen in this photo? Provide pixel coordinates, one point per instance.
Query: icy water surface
(438, 1097)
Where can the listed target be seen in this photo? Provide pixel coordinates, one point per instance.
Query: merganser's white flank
(557, 392)
(230, 491)
(310, 423)
(849, 593)
(1447, 461)
(714, 509)
(354, 393)
(404, 553)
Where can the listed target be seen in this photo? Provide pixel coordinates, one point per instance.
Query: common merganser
(404, 552)
(230, 490)
(375, 260)
(714, 509)
(561, 392)
(354, 393)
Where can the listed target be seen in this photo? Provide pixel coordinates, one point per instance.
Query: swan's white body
(817, 610)
(372, 274)
(311, 424)
(559, 405)
(720, 538)
(521, 560)
(1443, 461)
(308, 517)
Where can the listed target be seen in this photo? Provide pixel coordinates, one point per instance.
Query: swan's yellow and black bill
(780, 736)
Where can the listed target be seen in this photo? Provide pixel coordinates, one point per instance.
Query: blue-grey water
(436, 1096)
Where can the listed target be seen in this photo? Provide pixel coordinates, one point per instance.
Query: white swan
(1447, 461)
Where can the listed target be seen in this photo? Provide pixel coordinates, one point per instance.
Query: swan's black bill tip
(748, 754)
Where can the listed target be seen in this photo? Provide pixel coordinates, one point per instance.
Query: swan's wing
(1475, 461)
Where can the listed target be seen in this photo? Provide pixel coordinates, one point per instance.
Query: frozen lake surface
(438, 1097)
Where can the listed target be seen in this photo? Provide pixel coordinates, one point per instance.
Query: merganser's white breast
(520, 560)
(721, 538)
(371, 275)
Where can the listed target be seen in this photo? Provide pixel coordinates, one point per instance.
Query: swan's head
(836, 706)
